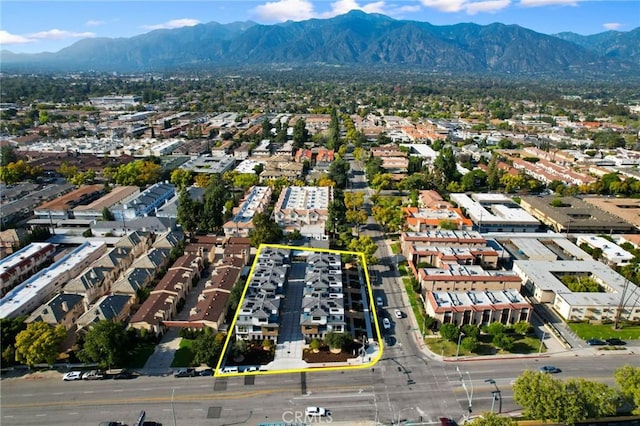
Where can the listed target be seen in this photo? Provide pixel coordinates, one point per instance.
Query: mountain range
(353, 39)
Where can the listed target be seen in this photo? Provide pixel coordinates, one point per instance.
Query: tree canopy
(38, 343)
(106, 343)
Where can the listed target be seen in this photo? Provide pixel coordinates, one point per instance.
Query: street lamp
(458, 346)
(541, 339)
(496, 395)
(464, 386)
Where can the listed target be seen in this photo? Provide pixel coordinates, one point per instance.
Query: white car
(93, 375)
(72, 375)
(386, 323)
(316, 412)
(398, 313)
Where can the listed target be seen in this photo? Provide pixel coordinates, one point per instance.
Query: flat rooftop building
(478, 307)
(256, 201)
(574, 215)
(495, 213)
(26, 297)
(543, 280)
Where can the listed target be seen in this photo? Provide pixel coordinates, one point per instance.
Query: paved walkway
(159, 363)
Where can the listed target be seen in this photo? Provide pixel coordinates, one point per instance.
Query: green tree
(207, 347)
(493, 173)
(470, 330)
(245, 181)
(106, 343)
(495, 328)
(107, 215)
(7, 155)
(189, 212)
(628, 381)
(300, 133)
(338, 172)
(445, 165)
(338, 340)
(182, 178)
(10, 328)
(215, 197)
(543, 397)
(38, 343)
(503, 341)
(522, 327)
(470, 343)
(365, 244)
(264, 230)
(449, 332)
(492, 419)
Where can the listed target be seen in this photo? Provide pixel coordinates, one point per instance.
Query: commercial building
(422, 219)
(574, 215)
(627, 209)
(543, 280)
(145, 203)
(93, 210)
(477, 307)
(611, 253)
(495, 213)
(304, 208)
(62, 207)
(115, 101)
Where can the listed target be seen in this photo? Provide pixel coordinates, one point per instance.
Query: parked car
(398, 313)
(123, 375)
(93, 375)
(386, 323)
(72, 375)
(316, 412)
(550, 369)
(615, 342)
(206, 372)
(446, 421)
(184, 372)
(596, 342)
(114, 423)
(379, 302)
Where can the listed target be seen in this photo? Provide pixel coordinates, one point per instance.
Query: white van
(227, 370)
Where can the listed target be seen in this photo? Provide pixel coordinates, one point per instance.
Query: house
(63, 309)
(157, 308)
(112, 307)
(304, 209)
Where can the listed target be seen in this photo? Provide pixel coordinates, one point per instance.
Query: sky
(47, 25)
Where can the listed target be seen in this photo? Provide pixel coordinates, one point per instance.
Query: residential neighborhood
(237, 243)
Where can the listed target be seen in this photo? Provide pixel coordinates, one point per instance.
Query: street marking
(41, 415)
(358, 395)
(74, 413)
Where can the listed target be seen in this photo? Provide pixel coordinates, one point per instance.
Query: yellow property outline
(372, 308)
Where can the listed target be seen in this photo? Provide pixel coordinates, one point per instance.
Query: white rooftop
(38, 283)
(477, 298)
(508, 213)
(541, 273)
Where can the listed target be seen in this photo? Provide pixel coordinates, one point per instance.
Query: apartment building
(304, 208)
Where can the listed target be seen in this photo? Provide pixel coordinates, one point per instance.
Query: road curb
(495, 359)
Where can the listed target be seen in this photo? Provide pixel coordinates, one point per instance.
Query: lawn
(523, 345)
(416, 305)
(395, 248)
(588, 331)
(139, 355)
(184, 355)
